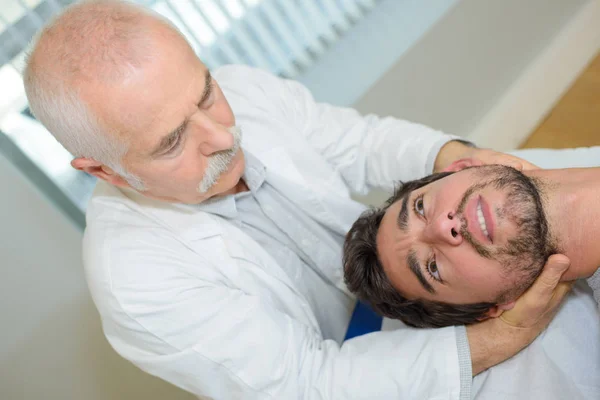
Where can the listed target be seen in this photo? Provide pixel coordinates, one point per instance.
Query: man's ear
(99, 170)
(498, 309)
(462, 164)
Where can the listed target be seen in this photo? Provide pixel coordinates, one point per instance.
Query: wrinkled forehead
(154, 99)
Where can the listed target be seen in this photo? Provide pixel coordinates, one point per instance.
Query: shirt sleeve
(594, 282)
(368, 151)
(465, 364)
(219, 340)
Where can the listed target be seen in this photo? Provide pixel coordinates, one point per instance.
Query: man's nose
(214, 138)
(445, 228)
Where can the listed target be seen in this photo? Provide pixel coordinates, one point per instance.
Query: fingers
(517, 163)
(523, 165)
(488, 156)
(510, 161)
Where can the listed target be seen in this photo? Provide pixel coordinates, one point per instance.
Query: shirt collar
(254, 173)
(225, 206)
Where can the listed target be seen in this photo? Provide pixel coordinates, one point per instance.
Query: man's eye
(174, 147)
(419, 206)
(206, 103)
(432, 268)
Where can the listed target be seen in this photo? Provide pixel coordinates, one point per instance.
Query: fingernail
(562, 264)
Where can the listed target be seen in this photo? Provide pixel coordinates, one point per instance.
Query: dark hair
(364, 274)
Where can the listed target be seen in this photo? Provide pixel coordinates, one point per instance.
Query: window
(283, 36)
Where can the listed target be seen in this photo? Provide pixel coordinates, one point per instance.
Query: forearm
(369, 151)
(492, 342)
(388, 150)
(405, 363)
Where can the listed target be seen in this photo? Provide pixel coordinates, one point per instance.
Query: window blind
(285, 37)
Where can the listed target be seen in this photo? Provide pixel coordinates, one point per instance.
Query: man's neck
(572, 204)
(240, 187)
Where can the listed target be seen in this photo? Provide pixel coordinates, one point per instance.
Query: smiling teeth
(482, 220)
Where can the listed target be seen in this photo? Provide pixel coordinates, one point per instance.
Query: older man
(218, 267)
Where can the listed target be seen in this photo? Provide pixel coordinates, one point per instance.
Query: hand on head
(455, 156)
(538, 305)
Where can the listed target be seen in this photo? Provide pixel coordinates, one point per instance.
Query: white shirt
(296, 242)
(193, 298)
(594, 282)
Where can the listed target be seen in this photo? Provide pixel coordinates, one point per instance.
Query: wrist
(493, 341)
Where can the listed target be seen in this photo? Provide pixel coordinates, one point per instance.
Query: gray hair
(93, 41)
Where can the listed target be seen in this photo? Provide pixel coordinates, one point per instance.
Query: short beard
(220, 161)
(523, 256)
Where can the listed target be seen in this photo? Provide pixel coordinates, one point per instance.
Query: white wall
(51, 343)
(364, 53)
(461, 67)
(458, 71)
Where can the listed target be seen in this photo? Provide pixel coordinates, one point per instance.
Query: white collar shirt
(205, 301)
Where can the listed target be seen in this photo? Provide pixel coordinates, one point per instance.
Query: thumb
(556, 265)
(559, 263)
(518, 165)
(524, 165)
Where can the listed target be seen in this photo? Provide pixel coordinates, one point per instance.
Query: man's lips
(479, 220)
(488, 217)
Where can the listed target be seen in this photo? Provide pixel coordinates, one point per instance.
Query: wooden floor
(575, 121)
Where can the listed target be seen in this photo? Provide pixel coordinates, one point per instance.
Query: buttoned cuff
(464, 362)
(594, 282)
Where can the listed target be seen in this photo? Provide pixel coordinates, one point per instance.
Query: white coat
(190, 298)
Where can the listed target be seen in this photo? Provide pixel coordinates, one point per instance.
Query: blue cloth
(364, 320)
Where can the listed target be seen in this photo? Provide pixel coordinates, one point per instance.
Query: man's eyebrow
(413, 264)
(208, 88)
(169, 140)
(403, 214)
(411, 258)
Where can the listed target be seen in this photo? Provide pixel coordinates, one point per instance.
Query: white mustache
(220, 161)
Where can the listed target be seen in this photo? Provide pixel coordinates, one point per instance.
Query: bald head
(91, 46)
(101, 40)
